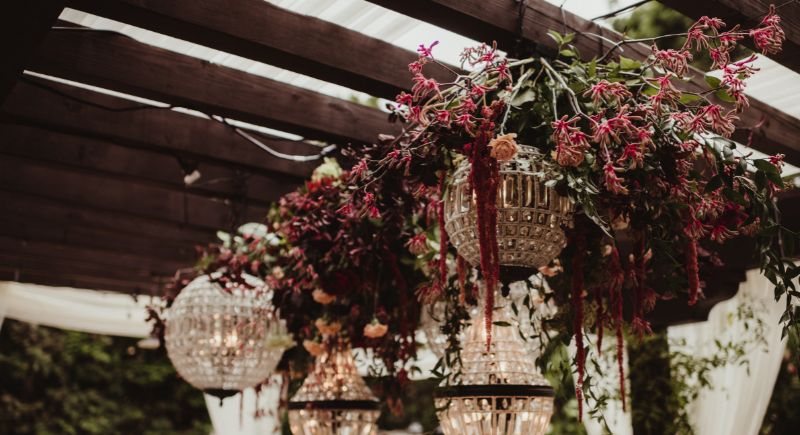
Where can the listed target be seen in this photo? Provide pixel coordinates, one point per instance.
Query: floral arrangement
(656, 180)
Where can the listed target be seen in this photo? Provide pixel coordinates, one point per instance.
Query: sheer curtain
(236, 414)
(737, 404)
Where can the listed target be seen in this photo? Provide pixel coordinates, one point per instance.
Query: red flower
(769, 38)
(673, 60)
(427, 51)
(609, 91)
(613, 182)
(777, 160)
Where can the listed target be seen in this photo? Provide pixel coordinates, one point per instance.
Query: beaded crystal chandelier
(334, 400)
(501, 391)
(530, 214)
(224, 340)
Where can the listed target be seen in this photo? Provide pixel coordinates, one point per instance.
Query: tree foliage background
(63, 382)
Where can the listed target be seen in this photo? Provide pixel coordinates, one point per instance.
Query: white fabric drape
(737, 404)
(75, 309)
(236, 414)
(619, 422)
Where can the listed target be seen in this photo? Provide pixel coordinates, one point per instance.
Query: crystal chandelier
(530, 214)
(501, 391)
(224, 340)
(430, 323)
(334, 400)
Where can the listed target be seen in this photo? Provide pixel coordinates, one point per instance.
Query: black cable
(620, 10)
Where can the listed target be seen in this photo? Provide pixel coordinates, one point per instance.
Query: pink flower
(633, 152)
(404, 99)
(423, 85)
(769, 38)
(723, 125)
(571, 143)
(697, 36)
(443, 117)
(604, 133)
(720, 56)
(720, 233)
(375, 330)
(610, 91)
(777, 160)
(673, 60)
(418, 244)
(427, 51)
(707, 22)
(503, 73)
(613, 182)
(416, 66)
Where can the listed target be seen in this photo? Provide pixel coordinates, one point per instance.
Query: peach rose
(504, 147)
(326, 328)
(551, 271)
(321, 297)
(314, 348)
(375, 330)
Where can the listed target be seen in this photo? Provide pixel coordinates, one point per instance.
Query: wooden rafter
(105, 158)
(28, 22)
(102, 117)
(119, 63)
(139, 199)
(258, 30)
(749, 13)
(499, 20)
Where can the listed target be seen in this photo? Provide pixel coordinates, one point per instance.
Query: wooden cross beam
(258, 30)
(119, 63)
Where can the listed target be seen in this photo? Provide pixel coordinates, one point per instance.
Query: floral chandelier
(627, 185)
(223, 340)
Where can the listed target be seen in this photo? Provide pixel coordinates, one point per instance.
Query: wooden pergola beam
(749, 13)
(26, 25)
(487, 20)
(261, 31)
(59, 107)
(58, 212)
(105, 158)
(137, 199)
(34, 230)
(119, 63)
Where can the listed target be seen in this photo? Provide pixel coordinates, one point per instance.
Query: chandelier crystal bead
(334, 399)
(222, 340)
(530, 214)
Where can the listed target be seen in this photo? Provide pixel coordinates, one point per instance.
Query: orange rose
(375, 330)
(504, 147)
(321, 297)
(326, 328)
(314, 348)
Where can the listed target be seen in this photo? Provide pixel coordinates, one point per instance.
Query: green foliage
(782, 417)
(65, 382)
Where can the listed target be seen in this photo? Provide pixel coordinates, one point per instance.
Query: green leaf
(713, 82)
(628, 64)
(592, 71)
(765, 165)
(724, 96)
(714, 183)
(501, 324)
(556, 37)
(689, 98)
(567, 53)
(734, 196)
(569, 37)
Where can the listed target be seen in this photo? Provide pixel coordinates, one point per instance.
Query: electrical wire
(327, 150)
